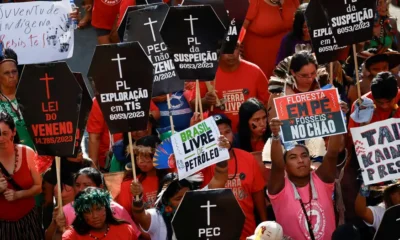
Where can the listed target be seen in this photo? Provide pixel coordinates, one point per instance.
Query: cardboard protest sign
(237, 11)
(309, 115)
(324, 44)
(352, 21)
(122, 25)
(213, 214)
(390, 222)
(197, 147)
(194, 44)
(123, 75)
(86, 106)
(377, 147)
(51, 99)
(144, 26)
(37, 31)
(217, 5)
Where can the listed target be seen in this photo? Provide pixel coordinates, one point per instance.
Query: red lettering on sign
(50, 107)
(52, 129)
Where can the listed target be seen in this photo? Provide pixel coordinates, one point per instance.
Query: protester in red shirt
(95, 219)
(244, 178)
(236, 81)
(99, 136)
(252, 129)
(386, 95)
(146, 173)
(104, 16)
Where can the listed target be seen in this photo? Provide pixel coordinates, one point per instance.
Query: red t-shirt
(15, 210)
(257, 146)
(242, 188)
(97, 124)
(236, 87)
(150, 188)
(116, 232)
(105, 13)
(378, 115)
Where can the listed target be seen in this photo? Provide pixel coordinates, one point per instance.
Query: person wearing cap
(235, 82)
(267, 231)
(8, 87)
(385, 96)
(301, 198)
(245, 179)
(374, 63)
(372, 215)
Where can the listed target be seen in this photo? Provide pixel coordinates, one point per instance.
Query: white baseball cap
(268, 230)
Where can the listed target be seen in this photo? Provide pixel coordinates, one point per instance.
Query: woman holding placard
(19, 183)
(8, 86)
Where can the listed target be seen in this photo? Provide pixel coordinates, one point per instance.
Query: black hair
(246, 111)
(9, 121)
(8, 53)
(297, 145)
(95, 175)
(301, 59)
(174, 186)
(384, 86)
(79, 224)
(387, 194)
(297, 30)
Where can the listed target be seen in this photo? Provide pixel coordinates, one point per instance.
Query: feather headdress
(7, 54)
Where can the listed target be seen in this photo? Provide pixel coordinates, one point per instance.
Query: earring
(168, 209)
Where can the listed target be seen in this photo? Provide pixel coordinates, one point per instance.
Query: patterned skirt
(27, 228)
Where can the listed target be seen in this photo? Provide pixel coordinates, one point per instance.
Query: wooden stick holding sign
(331, 72)
(171, 120)
(211, 89)
(357, 76)
(196, 100)
(132, 159)
(59, 196)
(200, 104)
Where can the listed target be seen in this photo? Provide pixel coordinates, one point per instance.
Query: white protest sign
(377, 147)
(38, 32)
(197, 147)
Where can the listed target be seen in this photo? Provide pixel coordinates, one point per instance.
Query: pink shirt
(118, 211)
(290, 215)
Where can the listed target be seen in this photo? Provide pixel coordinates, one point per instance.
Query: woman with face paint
(19, 183)
(147, 174)
(95, 220)
(252, 129)
(8, 86)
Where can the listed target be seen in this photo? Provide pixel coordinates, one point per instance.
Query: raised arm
(276, 180)
(140, 215)
(327, 171)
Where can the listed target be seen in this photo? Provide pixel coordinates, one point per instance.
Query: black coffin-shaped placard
(144, 27)
(390, 222)
(51, 98)
(123, 75)
(86, 106)
(324, 44)
(237, 11)
(352, 21)
(193, 35)
(213, 214)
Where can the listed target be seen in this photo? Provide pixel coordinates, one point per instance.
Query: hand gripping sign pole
(357, 76)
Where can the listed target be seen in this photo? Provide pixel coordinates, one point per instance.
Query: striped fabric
(27, 228)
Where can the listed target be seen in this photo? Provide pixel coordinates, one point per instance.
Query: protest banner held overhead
(86, 107)
(38, 32)
(237, 11)
(123, 75)
(197, 147)
(389, 223)
(217, 5)
(309, 115)
(122, 25)
(194, 45)
(323, 41)
(213, 214)
(50, 98)
(144, 26)
(351, 21)
(377, 148)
